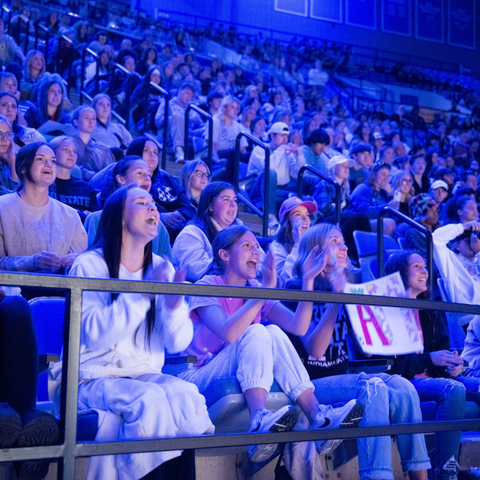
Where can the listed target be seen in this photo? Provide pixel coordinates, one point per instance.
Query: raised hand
(174, 301)
(298, 229)
(314, 263)
(269, 272)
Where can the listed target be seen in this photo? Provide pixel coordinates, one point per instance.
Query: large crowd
(82, 195)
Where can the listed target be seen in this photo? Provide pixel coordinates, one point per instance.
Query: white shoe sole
(285, 423)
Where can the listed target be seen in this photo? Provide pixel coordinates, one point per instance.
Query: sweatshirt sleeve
(104, 322)
(362, 202)
(443, 256)
(79, 238)
(177, 328)
(191, 251)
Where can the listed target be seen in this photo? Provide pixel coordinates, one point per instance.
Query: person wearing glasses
(194, 177)
(8, 176)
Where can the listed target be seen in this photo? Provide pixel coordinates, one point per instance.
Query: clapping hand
(269, 272)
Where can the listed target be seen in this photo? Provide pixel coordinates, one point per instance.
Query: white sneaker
(179, 155)
(272, 221)
(283, 420)
(347, 416)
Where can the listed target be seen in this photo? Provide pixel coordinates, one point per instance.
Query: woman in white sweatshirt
(123, 341)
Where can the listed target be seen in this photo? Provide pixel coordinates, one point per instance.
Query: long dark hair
(42, 100)
(120, 168)
(137, 146)
(109, 240)
(203, 219)
(398, 262)
(284, 235)
(24, 161)
(455, 204)
(225, 240)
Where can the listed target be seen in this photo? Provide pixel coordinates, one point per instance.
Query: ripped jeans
(450, 397)
(387, 399)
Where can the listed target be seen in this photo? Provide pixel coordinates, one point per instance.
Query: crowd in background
(73, 179)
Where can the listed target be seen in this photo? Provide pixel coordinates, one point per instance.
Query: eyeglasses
(200, 174)
(407, 181)
(6, 136)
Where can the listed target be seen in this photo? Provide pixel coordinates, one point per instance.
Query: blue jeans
(450, 398)
(387, 399)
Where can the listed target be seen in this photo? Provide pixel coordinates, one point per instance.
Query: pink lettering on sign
(374, 322)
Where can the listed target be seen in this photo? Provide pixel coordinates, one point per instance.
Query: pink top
(206, 344)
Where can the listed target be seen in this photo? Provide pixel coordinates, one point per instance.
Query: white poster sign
(384, 330)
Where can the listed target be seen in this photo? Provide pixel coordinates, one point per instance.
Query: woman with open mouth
(230, 340)
(124, 339)
(324, 351)
(37, 232)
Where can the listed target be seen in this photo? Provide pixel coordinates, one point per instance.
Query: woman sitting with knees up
(124, 338)
(371, 197)
(294, 222)
(8, 175)
(217, 210)
(436, 373)
(194, 177)
(68, 189)
(36, 231)
(323, 349)
(23, 135)
(338, 169)
(111, 134)
(130, 169)
(229, 339)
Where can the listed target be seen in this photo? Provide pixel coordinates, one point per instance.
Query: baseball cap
(439, 184)
(377, 136)
(292, 202)
(279, 127)
(338, 160)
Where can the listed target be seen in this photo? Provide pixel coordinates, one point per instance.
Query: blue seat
(48, 315)
(366, 243)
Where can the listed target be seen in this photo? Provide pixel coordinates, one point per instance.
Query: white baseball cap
(279, 127)
(338, 160)
(439, 184)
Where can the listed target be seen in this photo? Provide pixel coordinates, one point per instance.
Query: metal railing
(331, 181)
(166, 96)
(9, 20)
(112, 88)
(97, 72)
(26, 21)
(209, 118)
(428, 234)
(38, 27)
(69, 449)
(236, 178)
(266, 191)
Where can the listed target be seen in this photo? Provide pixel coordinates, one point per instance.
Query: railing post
(202, 113)
(266, 192)
(97, 76)
(331, 181)
(413, 224)
(166, 95)
(82, 75)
